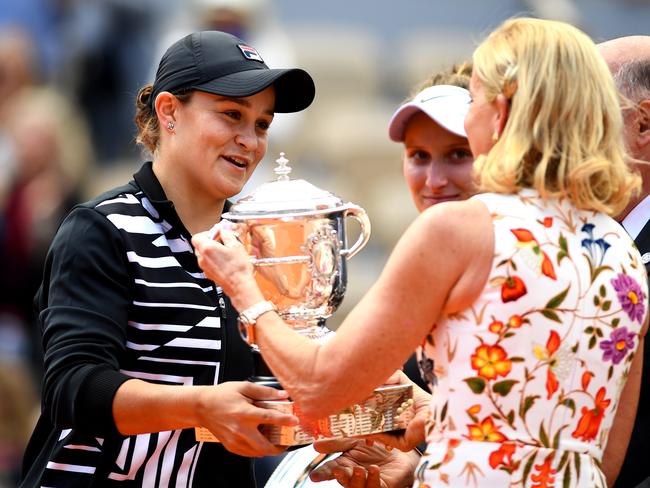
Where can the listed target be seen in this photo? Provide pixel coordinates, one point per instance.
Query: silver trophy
(295, 234)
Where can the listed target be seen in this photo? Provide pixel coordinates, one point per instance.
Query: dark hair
(146, 119)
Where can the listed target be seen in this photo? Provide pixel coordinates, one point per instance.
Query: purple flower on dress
(630, 296)
(619, 343)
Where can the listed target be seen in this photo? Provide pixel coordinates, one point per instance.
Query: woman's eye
(457, 154)
(263, 125)
(419, 156)
(233, 114)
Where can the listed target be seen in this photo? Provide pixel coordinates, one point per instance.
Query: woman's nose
(436, 176)
(247, 138)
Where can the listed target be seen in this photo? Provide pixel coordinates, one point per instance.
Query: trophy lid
(284, 197)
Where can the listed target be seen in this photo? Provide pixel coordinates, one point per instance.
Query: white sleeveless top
(526, 381)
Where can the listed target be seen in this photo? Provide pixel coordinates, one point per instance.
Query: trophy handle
(360, 215)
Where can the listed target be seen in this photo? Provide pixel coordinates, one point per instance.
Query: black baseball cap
(220, 63)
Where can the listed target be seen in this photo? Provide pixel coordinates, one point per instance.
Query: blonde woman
(529, 299)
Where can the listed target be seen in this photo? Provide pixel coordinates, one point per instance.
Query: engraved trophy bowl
(295, 234)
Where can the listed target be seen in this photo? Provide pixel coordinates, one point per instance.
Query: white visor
(445, 104)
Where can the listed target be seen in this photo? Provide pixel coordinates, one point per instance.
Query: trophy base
(387, 409)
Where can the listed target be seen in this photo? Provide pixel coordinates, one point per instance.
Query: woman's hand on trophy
(362, 465)
(225, 261)
(229, 412)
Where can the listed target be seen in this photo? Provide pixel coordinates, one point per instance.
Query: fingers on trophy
(295, 234)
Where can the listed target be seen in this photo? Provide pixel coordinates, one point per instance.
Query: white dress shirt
(637, 218)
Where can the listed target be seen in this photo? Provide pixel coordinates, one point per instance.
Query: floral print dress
(527, 380)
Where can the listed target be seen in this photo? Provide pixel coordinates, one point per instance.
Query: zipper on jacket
(224, 332)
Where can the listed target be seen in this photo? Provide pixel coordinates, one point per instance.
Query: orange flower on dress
(496, 326)
(589, 423)
(491, 361)
(512, 289)
(474, 409)
(544, 478)
(503, 457)
(515, 321)
(485, 431)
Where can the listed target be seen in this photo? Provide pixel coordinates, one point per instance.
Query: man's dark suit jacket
(636, 467)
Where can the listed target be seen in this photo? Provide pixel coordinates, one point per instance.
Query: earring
(170, 126)
(495, 136)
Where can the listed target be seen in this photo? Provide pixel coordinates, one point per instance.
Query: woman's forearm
(140, 407)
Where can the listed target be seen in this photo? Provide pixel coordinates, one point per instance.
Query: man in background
(628, 59)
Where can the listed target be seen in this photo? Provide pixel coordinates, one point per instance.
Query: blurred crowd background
(69, 72)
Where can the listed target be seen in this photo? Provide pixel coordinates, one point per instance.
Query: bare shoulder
(463, 232)
(464, 221)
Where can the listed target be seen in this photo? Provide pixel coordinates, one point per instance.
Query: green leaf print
(503, 387)
(477, 385)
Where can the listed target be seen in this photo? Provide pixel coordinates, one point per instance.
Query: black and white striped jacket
(123, 297)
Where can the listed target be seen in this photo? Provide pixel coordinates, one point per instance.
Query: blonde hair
(564, 134)
(457, 75)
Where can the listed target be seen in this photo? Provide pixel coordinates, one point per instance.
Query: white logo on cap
(645, 258)
(250, 52)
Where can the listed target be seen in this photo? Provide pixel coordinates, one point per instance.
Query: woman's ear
(503, 112)
(166, 105)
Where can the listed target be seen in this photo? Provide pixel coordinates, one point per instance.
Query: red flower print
(485, 431)
(503, 457)
(449, 455)
(589, 423)
(553, 342)
(491, 361)
(544, 476)
(548, 222)
(547, 266)
(547, 355)
(512, 289)
(586, 379)
(551, 383)
(525, 236)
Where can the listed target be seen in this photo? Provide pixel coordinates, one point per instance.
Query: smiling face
(437, 164)
(219, 141)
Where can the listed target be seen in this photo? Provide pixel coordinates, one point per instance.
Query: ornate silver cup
(295, 234)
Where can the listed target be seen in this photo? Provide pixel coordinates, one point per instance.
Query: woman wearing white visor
(437, 162)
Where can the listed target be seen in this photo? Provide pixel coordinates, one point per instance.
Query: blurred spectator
(39, 18)
(17, 417)
(104, 43)
(47, 152)
(18, 65)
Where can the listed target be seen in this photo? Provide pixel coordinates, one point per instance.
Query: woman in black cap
(139, 346)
